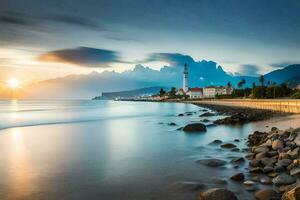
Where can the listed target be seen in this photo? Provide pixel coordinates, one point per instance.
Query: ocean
(109, 150)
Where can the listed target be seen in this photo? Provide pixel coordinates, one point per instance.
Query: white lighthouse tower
(185, 79)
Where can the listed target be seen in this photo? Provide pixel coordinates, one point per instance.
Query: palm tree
(253, 86)
(229, 84)
(162, 92)
(262, 80)
(241, 83)
(274, 89)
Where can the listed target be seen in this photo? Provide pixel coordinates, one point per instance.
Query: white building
(212, 91)
(195, 93)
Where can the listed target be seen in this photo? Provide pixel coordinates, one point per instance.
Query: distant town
(265, 90)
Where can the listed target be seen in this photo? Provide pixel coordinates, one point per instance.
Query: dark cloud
(76, 20)
(82, 56)
(15, 18)
(171, 58)
(249, 70)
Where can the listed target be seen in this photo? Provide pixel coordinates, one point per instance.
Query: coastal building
(212, 91)
(185, 79)
(195, 93)
(180, 92)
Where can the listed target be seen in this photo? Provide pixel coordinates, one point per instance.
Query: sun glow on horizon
(13, 83)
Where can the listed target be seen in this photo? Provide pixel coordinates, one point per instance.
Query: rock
(172, 124)
(284, 162)
(205, 120)
(257, 138)
(235, 149)
(267, 169)
(249, 183)
(283, 179)
(237, 140)
(268, 161)
(196, 127)
(274, 129)
(294, 153)
(265, 180)
(238, 160)
(292, 194)
(212, 162)
(283, 155)
(272, 153)
(297, 140)
(261, 149)
(278, 169)
(272, 174)
(206, 114)
(277, 144)
(295, 172)
(238, 177)
(216, 142)
(267, 194)
(188, 186)
(250, 156)
(228, 145)
(261, 155)
(180, 115)
(254, 163)
(255, 170)
(217, 194)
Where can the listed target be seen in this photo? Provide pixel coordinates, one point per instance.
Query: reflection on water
(128, 152)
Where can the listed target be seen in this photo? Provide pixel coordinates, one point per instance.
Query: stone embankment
(279, 105)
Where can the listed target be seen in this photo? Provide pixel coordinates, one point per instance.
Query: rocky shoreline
(274, 157)
(239, 115)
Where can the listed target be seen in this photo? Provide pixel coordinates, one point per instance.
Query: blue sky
(248, 37)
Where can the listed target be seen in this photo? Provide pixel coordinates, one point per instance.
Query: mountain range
(201, 73)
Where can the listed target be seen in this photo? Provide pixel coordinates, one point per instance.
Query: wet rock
(261, 155)
(249, 185)
(277, 144)
(216, 142)
(254, 163)
(255, 170)
(205, 120)
(196, 127)
(272, 153)
(228, 145)
(284, 162)
(295, 172)
(274, 129)
(235, 149)
(212, 162)
(238, 177)
(180, 115)
(238, 160)
(237, 140)
(188, 186)
(294, 153)
(257, 138)
(267, 194)
(278, 169)
(283, 179)
(217, 194)
(207, 114)
(172, 124)
(265, 180)
(261, 149)
(267, 169)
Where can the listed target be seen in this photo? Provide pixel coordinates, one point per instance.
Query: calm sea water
(111, 150)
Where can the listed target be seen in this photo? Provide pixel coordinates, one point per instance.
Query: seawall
(281, 105)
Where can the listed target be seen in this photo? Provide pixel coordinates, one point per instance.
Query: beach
(117, 150)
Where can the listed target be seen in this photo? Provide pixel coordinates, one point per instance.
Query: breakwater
(281, 105)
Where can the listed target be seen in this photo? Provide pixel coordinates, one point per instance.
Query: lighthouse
(185, 79)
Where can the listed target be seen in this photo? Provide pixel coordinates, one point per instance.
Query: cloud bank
(82, 56)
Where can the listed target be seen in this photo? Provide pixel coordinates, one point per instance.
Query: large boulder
(238, 177)
(277, 144)
(283, 179)
(195, 127)
(217, 194)
(267, 194)
(212, 162)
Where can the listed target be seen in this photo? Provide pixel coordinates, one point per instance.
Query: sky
(42, 39)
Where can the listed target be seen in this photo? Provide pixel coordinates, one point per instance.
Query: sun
(13, 83)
